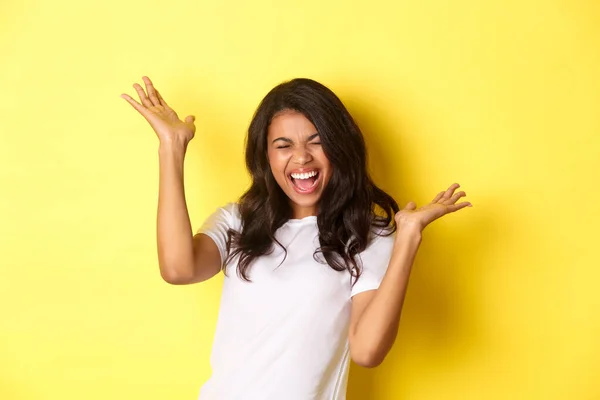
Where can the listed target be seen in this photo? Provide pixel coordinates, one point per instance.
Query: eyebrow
(311, 137)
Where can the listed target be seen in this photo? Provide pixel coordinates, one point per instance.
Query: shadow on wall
(440, 326)
(14, 387)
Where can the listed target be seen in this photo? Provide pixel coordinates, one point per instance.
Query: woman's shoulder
(232, 209)
(226, 216)
(381, 226)
(381, 237)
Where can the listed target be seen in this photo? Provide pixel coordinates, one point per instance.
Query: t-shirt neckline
(310, 218)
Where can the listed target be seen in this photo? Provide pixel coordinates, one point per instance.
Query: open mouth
(305, 182)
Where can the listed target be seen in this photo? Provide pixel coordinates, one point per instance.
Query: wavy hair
(351, 205)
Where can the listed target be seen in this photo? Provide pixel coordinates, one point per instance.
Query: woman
(316, 257)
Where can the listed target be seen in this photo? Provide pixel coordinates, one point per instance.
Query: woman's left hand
(442, 204)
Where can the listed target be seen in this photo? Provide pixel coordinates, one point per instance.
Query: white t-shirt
(284, 336)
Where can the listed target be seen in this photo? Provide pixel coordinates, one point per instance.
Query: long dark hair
(351, 205)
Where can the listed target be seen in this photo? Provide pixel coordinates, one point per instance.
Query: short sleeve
(217, 225)
(374, 261)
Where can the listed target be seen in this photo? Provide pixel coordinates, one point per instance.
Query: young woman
(316, 257)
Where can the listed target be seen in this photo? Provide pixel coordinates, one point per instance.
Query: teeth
(304, 175)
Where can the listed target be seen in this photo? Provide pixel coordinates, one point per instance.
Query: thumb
(190, 119)
(410, 206)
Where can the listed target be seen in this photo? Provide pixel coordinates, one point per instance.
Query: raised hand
(162, 118)
(442, 204)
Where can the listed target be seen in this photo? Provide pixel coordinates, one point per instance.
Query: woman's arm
(376, 313)
(182, 257)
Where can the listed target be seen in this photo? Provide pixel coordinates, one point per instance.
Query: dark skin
(375, 314)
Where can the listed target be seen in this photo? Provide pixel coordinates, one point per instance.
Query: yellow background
(499, 96)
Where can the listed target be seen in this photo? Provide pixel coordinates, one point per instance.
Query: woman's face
(297, 161)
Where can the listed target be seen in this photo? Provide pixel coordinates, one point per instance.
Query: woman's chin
(305, 200)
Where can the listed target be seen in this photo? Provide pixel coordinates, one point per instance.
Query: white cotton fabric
(284, 336)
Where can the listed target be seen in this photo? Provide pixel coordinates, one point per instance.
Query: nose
(302, 155)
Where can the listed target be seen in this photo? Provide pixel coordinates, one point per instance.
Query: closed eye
(283, 147)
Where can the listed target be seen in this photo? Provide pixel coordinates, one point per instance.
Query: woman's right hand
(163, 119)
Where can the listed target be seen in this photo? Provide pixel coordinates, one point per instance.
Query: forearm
(174, 231)
(378, 325)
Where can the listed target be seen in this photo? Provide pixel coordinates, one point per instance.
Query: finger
(450, 190)
(439, 196)
(142, 95)
(456, 207)
(151, 91)
(142, 110)
(162, 101)
(410, 205)
(190, 121)
(456, 196)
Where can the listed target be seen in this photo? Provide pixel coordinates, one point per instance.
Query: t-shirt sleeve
(374, 261)
(217, 225)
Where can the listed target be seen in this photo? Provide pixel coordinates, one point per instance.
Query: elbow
(367, 359)
(175, 277)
